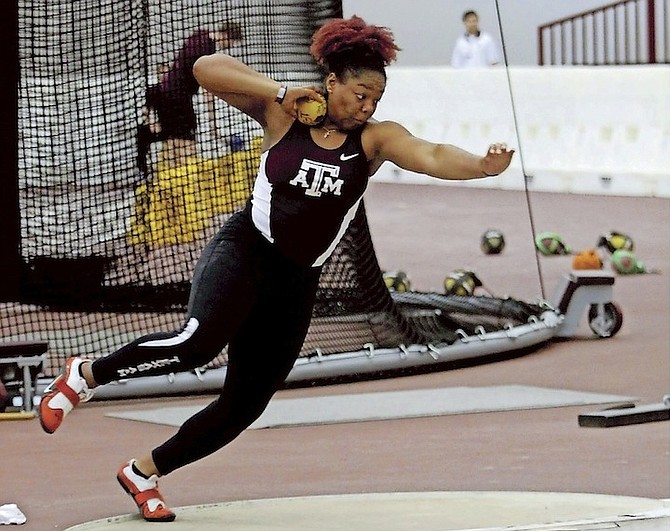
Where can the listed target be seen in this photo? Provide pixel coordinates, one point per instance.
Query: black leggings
(246, 295)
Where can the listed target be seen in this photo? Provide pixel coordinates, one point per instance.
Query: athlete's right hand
(293, 94)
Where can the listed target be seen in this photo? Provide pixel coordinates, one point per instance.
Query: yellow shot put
(310, 111)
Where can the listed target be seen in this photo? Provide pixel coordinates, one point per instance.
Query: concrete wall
(578, 129)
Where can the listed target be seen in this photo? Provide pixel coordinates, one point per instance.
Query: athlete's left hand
(497, 159)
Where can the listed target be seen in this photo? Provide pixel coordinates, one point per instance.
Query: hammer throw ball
(461, 282)
(625, 263)
(310, 111)
(492, 242)
(616, 241)
(550, 243)
(397, 281)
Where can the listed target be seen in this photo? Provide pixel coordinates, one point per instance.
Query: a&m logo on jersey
(318, 178)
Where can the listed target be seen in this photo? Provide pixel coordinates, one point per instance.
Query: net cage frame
(101, 263)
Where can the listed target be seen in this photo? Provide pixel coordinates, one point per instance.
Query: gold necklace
(328, 131)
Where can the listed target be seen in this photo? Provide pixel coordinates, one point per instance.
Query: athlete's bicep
(235, 83)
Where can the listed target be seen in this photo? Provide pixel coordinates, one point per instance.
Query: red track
(67, 478)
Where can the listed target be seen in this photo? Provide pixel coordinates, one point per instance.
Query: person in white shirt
(475, 48)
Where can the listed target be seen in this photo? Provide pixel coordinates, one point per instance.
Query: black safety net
(114, 214)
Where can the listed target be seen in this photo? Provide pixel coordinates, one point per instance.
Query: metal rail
(627, 32)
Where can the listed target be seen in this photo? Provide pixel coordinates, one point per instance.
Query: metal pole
(10, 242)
(573, 48)
(651, 30)
(605, 39)
(584, 47)
(27, 389)
(616, 37)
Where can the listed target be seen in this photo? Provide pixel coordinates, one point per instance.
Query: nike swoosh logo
(344, 157)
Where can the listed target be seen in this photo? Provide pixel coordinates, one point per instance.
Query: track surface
(68, 478)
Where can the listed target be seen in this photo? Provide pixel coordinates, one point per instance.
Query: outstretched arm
(394, 143)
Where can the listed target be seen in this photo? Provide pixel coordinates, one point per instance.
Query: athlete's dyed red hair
(351, 45)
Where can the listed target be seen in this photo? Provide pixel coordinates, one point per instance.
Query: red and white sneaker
(145, 494)
(63, 394)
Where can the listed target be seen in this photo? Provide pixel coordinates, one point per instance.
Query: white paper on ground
(11, 514)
